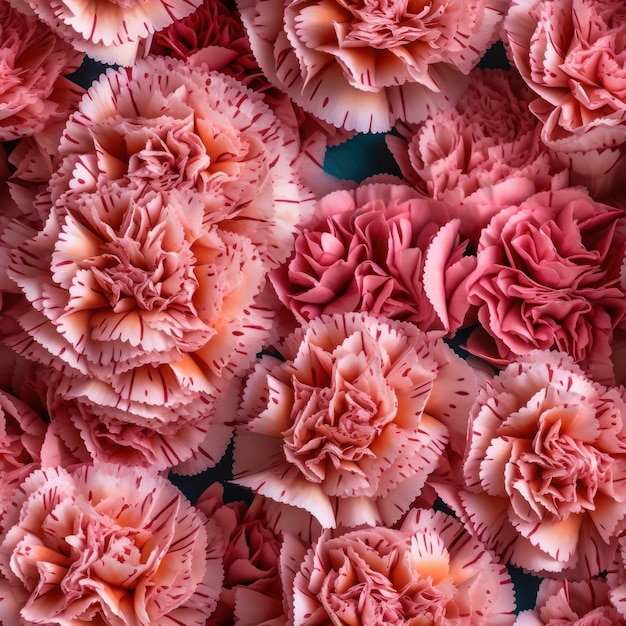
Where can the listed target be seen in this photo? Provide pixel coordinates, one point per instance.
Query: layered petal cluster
(111, 31)
(548, 277)
(584, 603)
(252, 589)
(616, 579)
(384, 249)
(110, 545)
(572, 54)
(483, 154)
(350, 423)
(545, 470)
(174, 195)
(428, 571)
(33, 89)
(363, 65)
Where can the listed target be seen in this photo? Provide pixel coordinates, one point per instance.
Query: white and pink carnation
(348, 425)
(481, 155)
(583, 603)
(363, 65)
(545, 468)
(111, 32)
(384, 249)
(572, 54)
(108, 544)
(548, 277)
(427, 571)
(174, 195)
(35, 61)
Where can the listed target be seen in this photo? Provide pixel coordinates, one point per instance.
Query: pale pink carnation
(580, 603)
(362, 66)
(548, 277)
(174, 195)
(108, 544)
(616, 579)
(483, 154)
(252, 591)
(572, 54)
(428, 571)
(351, 423)
(110, 31)
(384, 249)
(545, 469)
(34, 61)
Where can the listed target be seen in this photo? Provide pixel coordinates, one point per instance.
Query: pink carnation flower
(616, 579)
(545, 469)
(350, 425)
(583, 603)
(34, 92)
(483, 154)
(428, 571)
(384, 249)
(109, 31)
(252, 591)
(174, 195)
(362, 66)
(108, 544)
(572, 54)
(548, 277)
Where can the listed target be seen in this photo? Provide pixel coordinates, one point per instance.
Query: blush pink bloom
(483, 154)
(350, 425)
(362, 66)
(174, 195)
(548, 277)
(107, 544)
(428, 571)
(616, 579)
(572, 54)
(252, 591)
(383, 249)
(34, 92)
(545, 469)
(109, 31)
(583, 603)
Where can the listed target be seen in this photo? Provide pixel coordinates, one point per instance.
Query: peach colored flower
(252, 591)
(545, 469)
(428, 571)
(108, 544)
(110, 31)
(34, 91)
(547, 277)
(363, 65)
(384, 249)
(351, 423)
(583, 603)
(484, 153)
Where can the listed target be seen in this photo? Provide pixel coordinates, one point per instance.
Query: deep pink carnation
(107, 544)
(34, 92)
(350, 425)
(383, 249)
(583, 603)
(363, 65)
(428, 571)
(483, 154)
(545, 470)
(548, 277)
